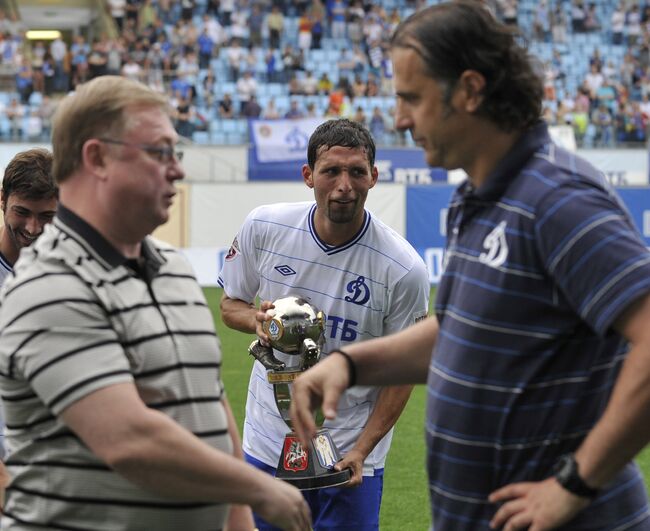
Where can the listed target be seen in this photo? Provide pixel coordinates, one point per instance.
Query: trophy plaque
(297, 328)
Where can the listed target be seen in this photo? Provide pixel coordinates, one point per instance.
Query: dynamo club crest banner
(282, 140)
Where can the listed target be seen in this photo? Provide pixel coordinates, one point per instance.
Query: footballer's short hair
(340, 132)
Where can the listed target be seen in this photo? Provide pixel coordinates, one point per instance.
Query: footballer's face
(25, 218)
(341, 179)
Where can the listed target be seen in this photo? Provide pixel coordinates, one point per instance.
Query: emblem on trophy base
(296, 328)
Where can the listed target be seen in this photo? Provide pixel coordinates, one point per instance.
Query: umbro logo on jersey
(360, 292)
(496, 247)
(285, 270)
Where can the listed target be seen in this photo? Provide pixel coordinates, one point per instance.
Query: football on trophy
(292, 321)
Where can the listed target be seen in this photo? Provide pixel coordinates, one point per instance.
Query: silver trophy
(297, 328)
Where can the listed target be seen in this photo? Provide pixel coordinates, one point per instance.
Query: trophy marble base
(311, 468)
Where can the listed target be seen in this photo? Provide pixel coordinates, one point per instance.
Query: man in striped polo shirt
(109, 362)
(538, 358)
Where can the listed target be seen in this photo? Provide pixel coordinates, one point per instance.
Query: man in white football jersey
(29, 197)
(367, 280)
(28, 200)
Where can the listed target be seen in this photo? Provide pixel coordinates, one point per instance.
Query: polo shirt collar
(101, 247)
(529, 142)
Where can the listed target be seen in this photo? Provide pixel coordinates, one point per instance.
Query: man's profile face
(26, 218)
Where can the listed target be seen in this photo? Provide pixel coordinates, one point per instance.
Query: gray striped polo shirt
(78, 317)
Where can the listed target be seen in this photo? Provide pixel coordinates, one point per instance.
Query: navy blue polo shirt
(541, 261)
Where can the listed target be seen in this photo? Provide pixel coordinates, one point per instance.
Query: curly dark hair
(340, 132)
(463, 35)
(29, 176)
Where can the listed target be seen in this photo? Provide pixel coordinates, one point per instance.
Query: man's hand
(354, 461)
(536, 506)
(322, 384)
(261, 316)
(283, 506)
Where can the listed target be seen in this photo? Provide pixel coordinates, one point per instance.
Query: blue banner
(426, 214)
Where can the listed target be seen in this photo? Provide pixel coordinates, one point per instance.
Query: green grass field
(405, 503)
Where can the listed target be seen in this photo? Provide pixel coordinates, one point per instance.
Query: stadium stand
(323, 59)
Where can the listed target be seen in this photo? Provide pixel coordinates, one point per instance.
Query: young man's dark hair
(29, 175)
(341, 132)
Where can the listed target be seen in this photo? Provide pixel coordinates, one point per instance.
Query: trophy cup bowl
(297, 328)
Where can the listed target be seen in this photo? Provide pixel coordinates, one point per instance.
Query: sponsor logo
(360, 293)
(233, 251)
(496, 247)
(295, 457)
(285, 270)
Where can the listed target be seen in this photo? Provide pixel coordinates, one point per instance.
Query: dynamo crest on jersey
(234, 251)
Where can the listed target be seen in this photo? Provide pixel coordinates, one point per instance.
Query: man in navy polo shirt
(538, 358)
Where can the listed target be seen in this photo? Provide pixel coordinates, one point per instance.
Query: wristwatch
(566, 473)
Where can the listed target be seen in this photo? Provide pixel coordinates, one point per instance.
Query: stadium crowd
(224, 61)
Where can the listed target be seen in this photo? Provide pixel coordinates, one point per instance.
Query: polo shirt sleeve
(57, 337)
(409, 298)
(240, 277)
(593, 252)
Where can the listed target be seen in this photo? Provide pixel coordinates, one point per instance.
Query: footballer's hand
(261, 316)
(353, 460)
(322, 385)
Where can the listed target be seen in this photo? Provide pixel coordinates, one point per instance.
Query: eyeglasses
(163, 154)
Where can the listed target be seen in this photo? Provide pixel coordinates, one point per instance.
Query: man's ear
(308, 175)
(470, 86)
(93, 157)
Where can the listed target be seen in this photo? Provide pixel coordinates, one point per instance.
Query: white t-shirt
(373, 285)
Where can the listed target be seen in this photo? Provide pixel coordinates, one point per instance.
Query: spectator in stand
(324, 84)
(131, 69)
(275, 25)
(226, 8)
(304, 32)
(80, 51)
(604, 123)
(98, 59)
(578, 16)
(251, 109)
(294, 87)
(309, 84)
(117, 10)
(542, 22)
(246, 87)
(206, 48)
(358, 86)
(317, 30)
(311, 111)
(338, 22)
(15, 112)
(592, 22)
(559, 24)
(215, 30)
(255, 26)
(24, 82)
(235, 56)
(294, 111)
(226, 108)
(59, 50)
(593, 81)
(633, 25)
(377, 125)
(147, 15)
(187, 9)
(271, 112)
(359, 116)
(239, 24)
(617, 24)
(372, 86)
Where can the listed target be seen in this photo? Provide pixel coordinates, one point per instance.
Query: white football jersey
(371, 286)
(5, 269)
